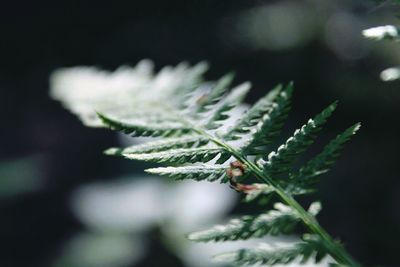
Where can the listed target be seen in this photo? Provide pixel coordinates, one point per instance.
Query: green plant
(200, 138)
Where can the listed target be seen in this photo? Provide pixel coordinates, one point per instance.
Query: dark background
(361, 195)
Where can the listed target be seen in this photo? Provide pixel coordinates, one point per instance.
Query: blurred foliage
(20, 176)
(386, 1)
(387, 32)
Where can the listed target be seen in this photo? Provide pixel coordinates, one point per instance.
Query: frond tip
(281, 161)
(323, 161)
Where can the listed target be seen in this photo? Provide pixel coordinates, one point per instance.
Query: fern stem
(334, 249)
(338, 253)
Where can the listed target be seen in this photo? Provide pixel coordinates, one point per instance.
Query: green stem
(335, 249)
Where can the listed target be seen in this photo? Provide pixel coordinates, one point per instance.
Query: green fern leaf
(278, 221)
(281, 161)
(322, 162)
(199, 172)
(271, 123)
(180, 156)
(193, 78)
(211, 98)
(144, 129)
(264, 254)
(160, 145)
(232, 100)
(253, 116)
(282, 220)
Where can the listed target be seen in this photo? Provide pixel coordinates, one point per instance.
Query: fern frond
(215, 94)
(310, 247)
(193, 78)
(196, 172)
(180, 156)
(279, 221)
(253, 116)
(160, 145)
(138, 129)
(232, 100)
(188, 114)
(271, 123)
(323, 161)
(281, 161)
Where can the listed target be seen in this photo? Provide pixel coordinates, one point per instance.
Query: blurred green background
(47, 156)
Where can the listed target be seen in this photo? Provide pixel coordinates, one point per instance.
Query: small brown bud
(236, 172)
(238, 165)
(246, 188)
